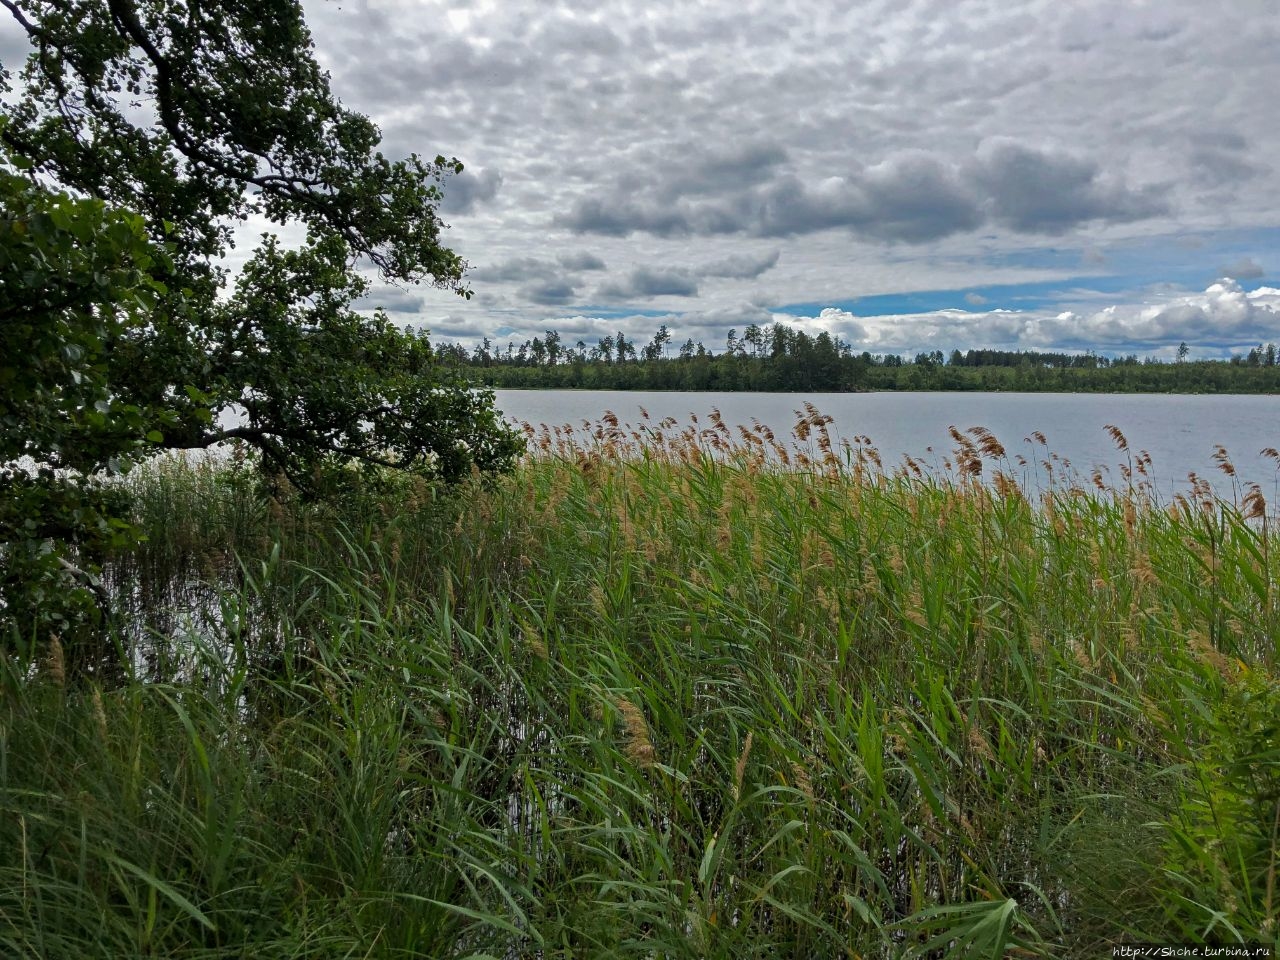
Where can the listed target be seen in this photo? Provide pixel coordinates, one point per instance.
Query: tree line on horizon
(785, 359)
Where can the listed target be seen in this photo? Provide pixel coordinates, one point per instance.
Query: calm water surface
(1180, 432)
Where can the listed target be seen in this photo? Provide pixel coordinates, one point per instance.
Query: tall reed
(672, 691)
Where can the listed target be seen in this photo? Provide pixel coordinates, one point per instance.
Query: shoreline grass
(677, 692)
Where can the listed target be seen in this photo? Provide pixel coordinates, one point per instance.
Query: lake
(1180, 432)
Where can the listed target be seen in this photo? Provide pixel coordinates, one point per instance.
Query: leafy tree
(654, 349)
(119, 338)
(79, 280)
(626, 349)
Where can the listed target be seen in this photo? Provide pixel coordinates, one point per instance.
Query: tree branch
(32, 30)
(266, 440)
(127, 21)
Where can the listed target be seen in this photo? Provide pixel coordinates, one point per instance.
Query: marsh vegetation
(681, 690)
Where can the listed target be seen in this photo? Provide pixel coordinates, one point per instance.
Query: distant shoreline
(888, 390)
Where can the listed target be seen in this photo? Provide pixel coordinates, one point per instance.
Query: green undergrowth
(655, 703)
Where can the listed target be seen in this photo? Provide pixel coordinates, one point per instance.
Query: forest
(786, 359)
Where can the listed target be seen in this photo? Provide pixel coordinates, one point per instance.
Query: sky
(908, 176)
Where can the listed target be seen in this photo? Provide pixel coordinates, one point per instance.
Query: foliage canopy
(138, 136)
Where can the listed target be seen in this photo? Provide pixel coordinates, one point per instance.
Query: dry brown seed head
(533, 640)
(1208, 654)
(1142, 572)
(896, 563)
(979, 744)
(1081, 654)
(1254, 504)
(740, 768)
(56, 665)
(724, 537)
(987, 443)
(638, 746)
(598, 604)
(1119, 438)
(99, 713)
(1224, 460)
(914, 612)
(800, 779)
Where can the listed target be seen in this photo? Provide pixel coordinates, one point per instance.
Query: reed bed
(672, 690)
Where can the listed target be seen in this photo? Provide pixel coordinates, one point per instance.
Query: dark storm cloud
(463, 191)
(656, 200)
(515, 270)
(450, 62)
(542, 282)
(1222, 158)
(912, 197)
(1035, 191)
(646, 282)
(618, 218)
(741, 266)
(582, 260)
(718, 170)
(576, 38)
(551, 292)
(1246, 268)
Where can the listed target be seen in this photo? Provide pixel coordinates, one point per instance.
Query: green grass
(641, 701)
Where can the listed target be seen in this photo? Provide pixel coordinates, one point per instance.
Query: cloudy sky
(908, 175)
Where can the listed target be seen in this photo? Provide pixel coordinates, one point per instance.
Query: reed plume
(740, 768)
(638, 745)
(56, 662)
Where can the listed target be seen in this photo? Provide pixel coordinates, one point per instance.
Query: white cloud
(731, 156)
(1224, 316)
(1223, 319)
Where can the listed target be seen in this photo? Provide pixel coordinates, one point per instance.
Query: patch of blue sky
(1008, 296)
(1194, 259)
(1135, 269)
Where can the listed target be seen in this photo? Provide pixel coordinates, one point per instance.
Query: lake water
(1180, 432)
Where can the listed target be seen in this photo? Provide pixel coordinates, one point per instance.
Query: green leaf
(164, 889)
